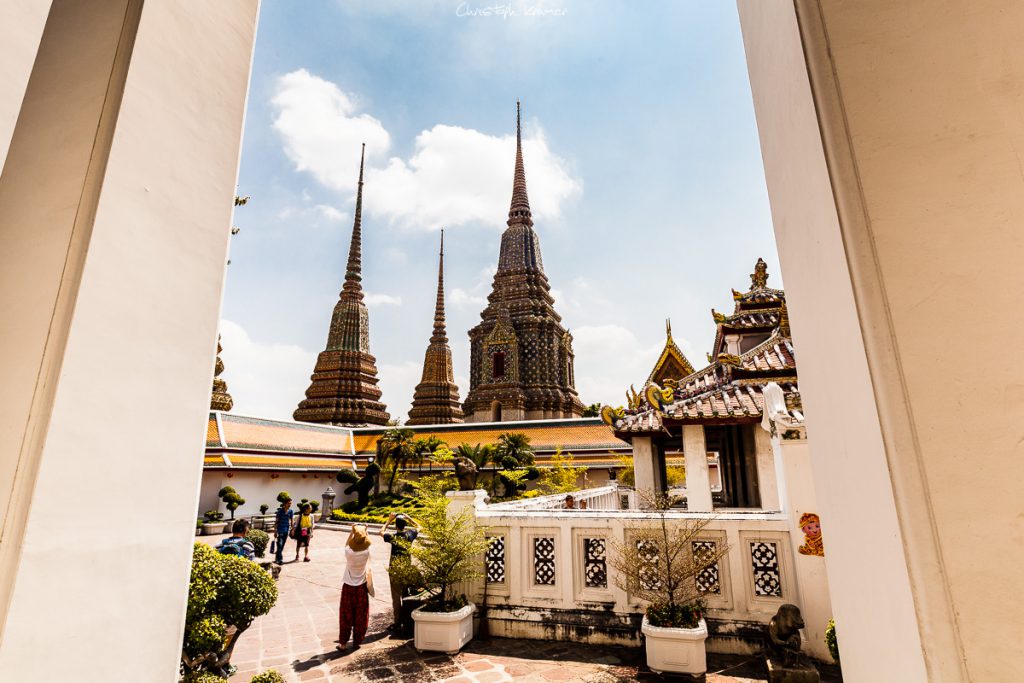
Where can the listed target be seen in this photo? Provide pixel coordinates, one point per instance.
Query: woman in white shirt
(354, 613)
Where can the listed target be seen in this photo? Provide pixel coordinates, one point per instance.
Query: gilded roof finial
(440, 333)
(353, 289)
(668, 328)
(220, 399)
(759, 278)
(519, 211)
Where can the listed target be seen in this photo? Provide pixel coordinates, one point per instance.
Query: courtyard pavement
(297, 638)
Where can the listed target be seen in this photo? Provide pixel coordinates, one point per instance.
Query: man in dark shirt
(282, 525)
(400, 541)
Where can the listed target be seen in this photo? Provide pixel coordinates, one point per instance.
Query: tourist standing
(237, 543)
(303, 531)
(356, 586)
(400, 542)
(282, 525)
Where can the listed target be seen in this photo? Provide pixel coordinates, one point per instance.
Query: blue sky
(642, 164)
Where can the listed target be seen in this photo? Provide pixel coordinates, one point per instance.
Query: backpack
(232, 546)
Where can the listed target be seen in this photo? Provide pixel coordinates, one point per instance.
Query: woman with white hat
(356, 589)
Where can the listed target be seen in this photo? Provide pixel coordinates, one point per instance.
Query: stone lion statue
(466, 473)
(783, 636)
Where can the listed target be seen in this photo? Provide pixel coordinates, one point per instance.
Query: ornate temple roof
(729, 389)
(343, 388)
(220, 399)
(672, 363)
(436, 398)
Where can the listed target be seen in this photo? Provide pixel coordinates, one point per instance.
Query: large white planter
(443, 631)
(677, 650)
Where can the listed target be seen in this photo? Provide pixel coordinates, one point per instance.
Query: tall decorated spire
(521, 358)
(519, 210)
(343, 388)
(353, 288)
(436, 399)
(220, 399)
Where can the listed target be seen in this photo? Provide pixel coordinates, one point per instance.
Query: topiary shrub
(831, 642)
(259, 540)
(203, 677)
(224, 591)
(213, 516)
(283, 496)
(264, 508)
(269, 676)
(231, 499)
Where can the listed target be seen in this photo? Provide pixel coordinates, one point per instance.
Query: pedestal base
(799, 673)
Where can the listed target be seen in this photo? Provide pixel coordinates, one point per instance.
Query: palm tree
(479, 455)
(514, 450)
(397, 449)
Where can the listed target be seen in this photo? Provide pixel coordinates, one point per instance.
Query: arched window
(495, 412)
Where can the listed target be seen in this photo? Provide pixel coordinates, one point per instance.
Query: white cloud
(322, 130)
(331, 213)
(378, 300)
(264, 379)
(397, 383)
(455, 175)
(460, 298)
(610, 358)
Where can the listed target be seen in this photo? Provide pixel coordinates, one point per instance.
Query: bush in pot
(232, 500)
(448, 554)
(659, 564)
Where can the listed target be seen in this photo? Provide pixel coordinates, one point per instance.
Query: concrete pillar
(646, 472)
(115, 209)
(21, 26)
(767, 480)
(459, 500)
(698, 483)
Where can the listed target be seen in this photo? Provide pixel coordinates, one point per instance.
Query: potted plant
(448, 554)
(213, 524)
(231, 499)
(658, 564)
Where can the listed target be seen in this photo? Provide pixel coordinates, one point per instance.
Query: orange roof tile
(262, 434)
(287, 462)
(212, 434)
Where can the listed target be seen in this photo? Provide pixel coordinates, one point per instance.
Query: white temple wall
(261, 487)
(115, 210)
(890, 134)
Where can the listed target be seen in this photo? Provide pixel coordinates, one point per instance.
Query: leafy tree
(515, 456)
(450, 552)
(562, 476)
(658, 564)
(593, 410)
(397, 449)
(481, 456)
(231, 499)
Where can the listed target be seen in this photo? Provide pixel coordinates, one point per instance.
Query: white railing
(601, 498)
(549, 572)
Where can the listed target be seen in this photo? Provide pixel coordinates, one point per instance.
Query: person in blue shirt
(400, 541)
(282, 525)
(237, 543)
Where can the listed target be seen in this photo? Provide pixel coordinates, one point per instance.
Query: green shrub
(213, 516)
(264, 508)
(342, 516)
(206, 574)
(831, 641)
(259, 540)
(283, 496)
(202, 677)
(269, 676)
(245, 593)
(205, 635)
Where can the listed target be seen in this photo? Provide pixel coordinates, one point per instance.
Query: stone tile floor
(297, 638)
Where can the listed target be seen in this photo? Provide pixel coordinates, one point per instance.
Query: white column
(698, 482)
(767, 483)
(645, 466)
(115, 210)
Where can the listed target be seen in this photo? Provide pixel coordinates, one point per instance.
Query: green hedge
(259, 540)
(269, 676)
(342, 516)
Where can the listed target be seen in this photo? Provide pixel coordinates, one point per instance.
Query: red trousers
(353, 614)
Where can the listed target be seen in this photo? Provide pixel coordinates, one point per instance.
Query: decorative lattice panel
(495, 559)
(648, 556)
(764, 561)
(707, 579)
(544, 561)
(595, 563)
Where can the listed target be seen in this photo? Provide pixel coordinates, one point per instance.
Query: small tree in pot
(231, 499)
(448, 554)
(660, 564)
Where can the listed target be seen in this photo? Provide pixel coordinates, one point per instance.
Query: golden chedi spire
(343, 388)
(220, 399)
(436, 399)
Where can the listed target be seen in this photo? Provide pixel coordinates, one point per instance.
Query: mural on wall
(810, 524)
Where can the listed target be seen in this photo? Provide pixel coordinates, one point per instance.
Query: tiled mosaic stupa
(436, 399)
(521, 358)
(344, 387)
(220, 399)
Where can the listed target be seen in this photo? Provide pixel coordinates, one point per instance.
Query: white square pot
(443, 631)
(677, 650)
